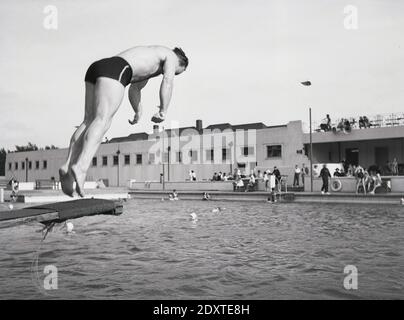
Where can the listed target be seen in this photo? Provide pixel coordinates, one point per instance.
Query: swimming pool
(247, 251)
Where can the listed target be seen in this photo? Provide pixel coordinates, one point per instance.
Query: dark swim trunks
(115, 68)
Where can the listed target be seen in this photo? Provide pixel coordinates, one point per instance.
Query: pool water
(154, 250)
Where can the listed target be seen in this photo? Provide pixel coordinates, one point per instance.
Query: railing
(375, 121)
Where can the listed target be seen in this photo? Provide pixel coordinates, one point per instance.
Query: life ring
(336, 185)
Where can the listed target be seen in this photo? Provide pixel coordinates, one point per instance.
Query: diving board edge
(58, 198)
(62, 211)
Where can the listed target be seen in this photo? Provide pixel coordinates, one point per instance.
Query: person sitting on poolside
(377, 182)
(251, 183)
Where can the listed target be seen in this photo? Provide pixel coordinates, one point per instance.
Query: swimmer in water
(206, 196)
(105, 83)
(69, 227)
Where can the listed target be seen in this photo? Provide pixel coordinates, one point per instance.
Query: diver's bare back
(146, 61)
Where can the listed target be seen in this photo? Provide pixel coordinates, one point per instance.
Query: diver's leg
(107, 99)
(65, 175)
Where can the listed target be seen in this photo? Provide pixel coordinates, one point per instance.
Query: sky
(246, 61)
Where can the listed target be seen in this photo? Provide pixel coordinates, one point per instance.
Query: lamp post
(231, 162)
(307, 84)
(26, 169)
(162, 159)
(168, 162)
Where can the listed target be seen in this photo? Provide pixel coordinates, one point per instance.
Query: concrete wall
(290, 137)
(184, 186)
(54, 158)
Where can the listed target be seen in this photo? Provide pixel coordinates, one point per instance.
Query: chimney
(199, 125)
(155, 129)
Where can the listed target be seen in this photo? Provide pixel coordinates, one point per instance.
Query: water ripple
(248, 251)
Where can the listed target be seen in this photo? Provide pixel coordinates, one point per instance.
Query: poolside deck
(300, 197)
(44, 196)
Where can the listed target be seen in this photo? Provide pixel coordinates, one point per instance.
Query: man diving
(105, 83)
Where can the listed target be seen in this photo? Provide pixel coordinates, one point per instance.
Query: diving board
(38, 198)
(62, 211)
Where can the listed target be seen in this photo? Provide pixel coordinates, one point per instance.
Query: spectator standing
(325, 175)
(360, 179)
(277, 175)
(394, 167)
(266, 180)
(297, 175)
(328, 119)
(305, 171)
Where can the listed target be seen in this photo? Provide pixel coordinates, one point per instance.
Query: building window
(225, 154)
(165, 157)
(16, 166)
(22, 165)
(45, 164)
(115, 160)
(152, 158)
(29, 165)
(94, 162)
(10, 166)
(179, 157)
(274, 151)
(210, 156)
(104, 161)
(37, 164)
(193, 154)
(127, 159)
(247, 151)
(139, 158)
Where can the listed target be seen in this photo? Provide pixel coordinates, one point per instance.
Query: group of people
(367, 180)
(300, 173)
(390, 168)
(364, 122)
(271, 179)
(221, 176)
(344, 124)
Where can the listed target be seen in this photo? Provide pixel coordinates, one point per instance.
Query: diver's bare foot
(66, 180)
(158, 117)
(79, 177)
